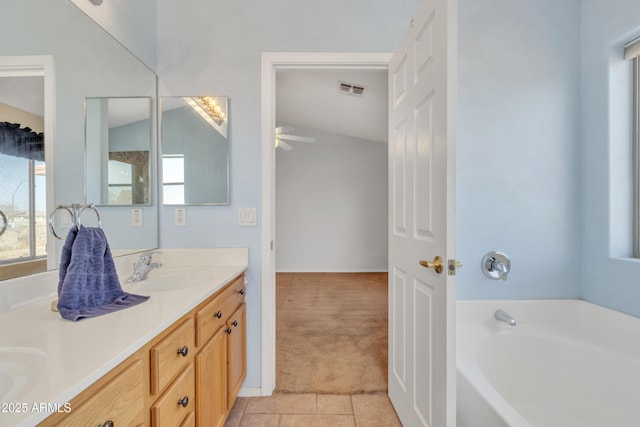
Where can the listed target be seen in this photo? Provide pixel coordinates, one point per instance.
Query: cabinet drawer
(177, 403)
(236, 293)
(215, 314)
(170, 355)
(121, 401)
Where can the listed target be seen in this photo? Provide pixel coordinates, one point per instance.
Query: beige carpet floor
(331, 332)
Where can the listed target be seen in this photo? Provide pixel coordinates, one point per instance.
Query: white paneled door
(422, 79)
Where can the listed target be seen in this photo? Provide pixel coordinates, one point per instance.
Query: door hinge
(453, 267)
(272, 245)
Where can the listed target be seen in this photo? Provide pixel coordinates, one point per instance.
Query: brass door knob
(436, 264)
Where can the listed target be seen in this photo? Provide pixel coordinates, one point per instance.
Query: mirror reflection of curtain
(139, 161)
(21, 142)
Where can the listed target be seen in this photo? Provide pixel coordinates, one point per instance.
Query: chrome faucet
(505, 317)
(496, 265)
(142, 268)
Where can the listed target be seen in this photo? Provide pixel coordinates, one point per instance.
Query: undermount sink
(21, 368)
(174, 279)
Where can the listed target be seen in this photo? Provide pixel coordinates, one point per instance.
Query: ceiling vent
(350, 89)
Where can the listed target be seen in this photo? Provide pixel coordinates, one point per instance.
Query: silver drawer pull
(218, 314)
(184, 401)
(234, 323)
(183, 351)
(107, 424)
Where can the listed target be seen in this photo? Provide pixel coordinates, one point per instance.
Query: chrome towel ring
(5, 223)
(75, 211)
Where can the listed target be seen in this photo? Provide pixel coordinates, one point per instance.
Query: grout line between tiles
(353, 411)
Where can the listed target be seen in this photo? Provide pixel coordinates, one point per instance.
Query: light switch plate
(247, 217)
(181, 217)
(137, 218)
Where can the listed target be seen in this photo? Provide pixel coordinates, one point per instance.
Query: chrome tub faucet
(144, 265)
(496, 265)
(505, 317)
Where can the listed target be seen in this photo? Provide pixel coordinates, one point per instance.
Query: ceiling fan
(281, 133)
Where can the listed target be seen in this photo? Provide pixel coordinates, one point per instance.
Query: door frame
(271, 62)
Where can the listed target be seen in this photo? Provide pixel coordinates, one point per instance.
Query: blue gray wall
(518, 147)
(133, 23)
(332, 204)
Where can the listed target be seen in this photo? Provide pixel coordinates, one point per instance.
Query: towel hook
(75, 211)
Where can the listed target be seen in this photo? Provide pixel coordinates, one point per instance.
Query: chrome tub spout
(505, 317)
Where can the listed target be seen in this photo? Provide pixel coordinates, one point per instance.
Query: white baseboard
(250, 392)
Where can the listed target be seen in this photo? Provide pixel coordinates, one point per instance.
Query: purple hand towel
(88, 284)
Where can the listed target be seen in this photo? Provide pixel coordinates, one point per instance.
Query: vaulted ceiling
(312, 99)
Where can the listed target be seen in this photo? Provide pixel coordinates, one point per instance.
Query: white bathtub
(567, 363)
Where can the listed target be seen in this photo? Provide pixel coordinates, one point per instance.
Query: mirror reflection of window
(129, 170)
(120, 186)
(173, 179)
(23, 232)
(23, 204)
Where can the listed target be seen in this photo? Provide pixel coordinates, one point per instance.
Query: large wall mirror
(86, 63)
(118, 151)
(195, 150)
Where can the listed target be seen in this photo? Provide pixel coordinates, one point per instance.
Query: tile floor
(313, 410)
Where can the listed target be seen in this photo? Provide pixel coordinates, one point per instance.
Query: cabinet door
(236, 352)
(120, 401)
(211, 381)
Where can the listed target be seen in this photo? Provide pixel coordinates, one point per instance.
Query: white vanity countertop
(62, 358)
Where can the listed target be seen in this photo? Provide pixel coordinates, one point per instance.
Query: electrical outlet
(181, 217)
(137, 219)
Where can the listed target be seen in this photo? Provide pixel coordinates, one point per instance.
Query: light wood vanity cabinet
(118, 399)
(189, 375)
(218, 374)
(236, 354)
(211, 384)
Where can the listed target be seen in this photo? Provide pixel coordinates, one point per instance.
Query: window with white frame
(632, 52)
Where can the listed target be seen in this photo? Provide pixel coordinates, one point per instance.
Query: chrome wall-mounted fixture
(505, 317)
(96, 2)
(75, 211)
(496, 265)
